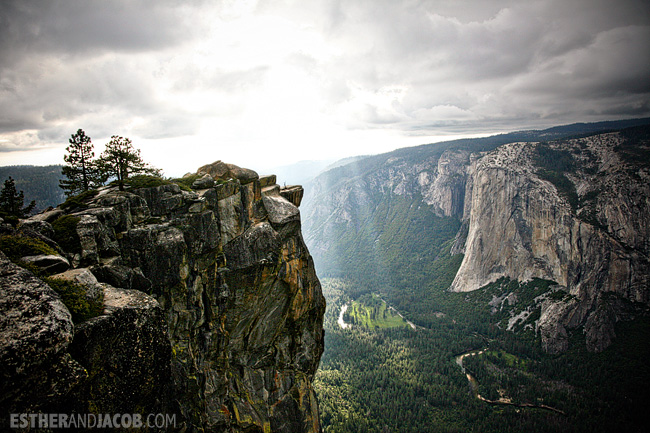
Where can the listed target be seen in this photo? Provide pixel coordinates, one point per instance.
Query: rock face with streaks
(590, 235)
(213, 310)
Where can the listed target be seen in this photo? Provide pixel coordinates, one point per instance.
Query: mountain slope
(39, 183)
(584, 225)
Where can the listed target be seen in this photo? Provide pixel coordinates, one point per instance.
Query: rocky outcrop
(222, 171)
(213, 310)
(444, 188)
(522, 227)
(127, 354)
(119, 362)
(293, 194)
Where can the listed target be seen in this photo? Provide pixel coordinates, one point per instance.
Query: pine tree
(120, 160)
(11, 201)
(81, 171)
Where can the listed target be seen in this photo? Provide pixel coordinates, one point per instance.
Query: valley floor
(375, 379)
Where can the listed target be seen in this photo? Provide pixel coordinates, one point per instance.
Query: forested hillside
(404, 380)
(39, 183)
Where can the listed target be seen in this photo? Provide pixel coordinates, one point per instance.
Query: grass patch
(16, 247)
(369, 311)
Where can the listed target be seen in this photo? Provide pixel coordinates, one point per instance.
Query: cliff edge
(212, 309)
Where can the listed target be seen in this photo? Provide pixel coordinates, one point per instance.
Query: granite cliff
(570, 210)
(211, 306)
(589, 234)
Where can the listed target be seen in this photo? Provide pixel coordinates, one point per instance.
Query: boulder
(84, 278)
(35, 332)
(280, 210)
(38, 226)
(204, 182)
(221, 170)
(127, 354)
(218, 170)
(244, 175)
(49, 263)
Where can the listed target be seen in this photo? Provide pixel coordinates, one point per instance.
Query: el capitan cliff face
(522, 227)
(231, 288)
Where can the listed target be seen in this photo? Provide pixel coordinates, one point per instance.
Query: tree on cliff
(80, 171)
(11, 202)
(120, 160)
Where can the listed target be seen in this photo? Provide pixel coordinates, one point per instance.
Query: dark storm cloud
(61, 58)
(47, 91)
(81, 26)
(499, 60)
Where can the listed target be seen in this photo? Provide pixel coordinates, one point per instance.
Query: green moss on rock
(145, 181)
(65, 233)
(74, 297)
(79, 201)
(186, 182)
(16, 247)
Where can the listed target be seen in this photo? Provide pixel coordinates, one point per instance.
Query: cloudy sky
(271, 82)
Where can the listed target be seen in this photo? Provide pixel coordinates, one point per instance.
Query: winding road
(473, 383)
